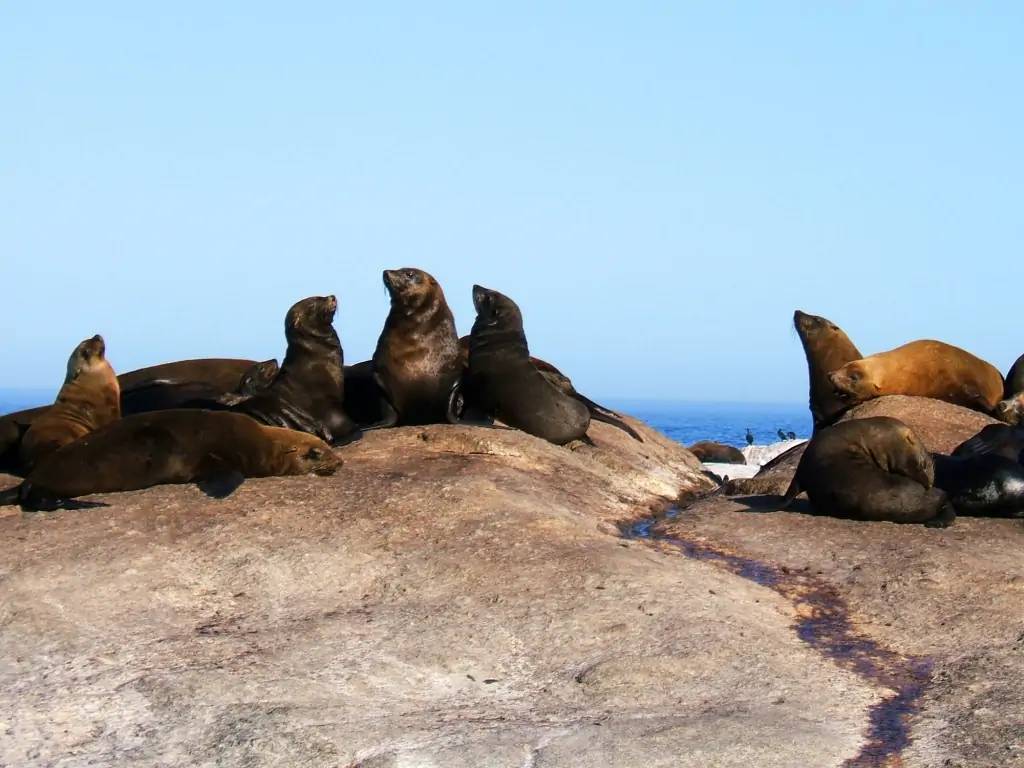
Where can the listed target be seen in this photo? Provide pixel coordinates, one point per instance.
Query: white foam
(756, 455)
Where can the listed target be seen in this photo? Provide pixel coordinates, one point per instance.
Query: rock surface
(457, 596)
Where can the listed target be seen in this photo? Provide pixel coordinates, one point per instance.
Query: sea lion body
(708, 450)
(1011, 408)
(175, 446)
(827, 349)
(89, 399)
(871, 469)
(988, 485)
(417, 361)
(307, 393)
(504, 383)
(924, 368)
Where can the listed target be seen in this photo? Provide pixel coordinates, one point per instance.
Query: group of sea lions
(877, 468)
(215, 421)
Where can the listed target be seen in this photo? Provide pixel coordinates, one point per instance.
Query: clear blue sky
(657, 185)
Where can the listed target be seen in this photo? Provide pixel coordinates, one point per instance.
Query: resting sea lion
(417, 361)
(871, 469)
(923, 368)
(253, 381)
(307, 393)
(1011, 408)
(708, 450)
(503, 383)
(89, 399)
(176, 446)
(827, 349)
(998, 439)
(985, 475)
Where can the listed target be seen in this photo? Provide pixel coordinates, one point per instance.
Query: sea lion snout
(480, 296)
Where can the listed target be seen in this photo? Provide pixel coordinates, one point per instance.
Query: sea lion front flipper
(790, 496)
(389, 414)
(456, 403)
(11, 496)
(217, 478)
(601, 416)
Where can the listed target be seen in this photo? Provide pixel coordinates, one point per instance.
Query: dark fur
(826, 348)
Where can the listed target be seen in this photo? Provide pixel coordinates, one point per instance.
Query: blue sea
(686, 422)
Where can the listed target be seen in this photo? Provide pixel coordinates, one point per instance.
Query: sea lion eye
(854, 376)
(410, 274)
(314, 453)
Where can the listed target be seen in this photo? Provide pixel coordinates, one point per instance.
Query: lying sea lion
(827, 349)
(871, 469)
(307, 393)
(984, 476)
(89, 399)
(503, 383)
(1011, 408)
(218, 373)
(176, 446)
(923, 368)
(998, 439)
(253, 381)
(709, 450)
(417, 361)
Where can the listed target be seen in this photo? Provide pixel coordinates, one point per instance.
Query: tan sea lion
(924, 368)
(709, 450)
(827, 349)
(174, 446)
(89, 399)
(871, 469)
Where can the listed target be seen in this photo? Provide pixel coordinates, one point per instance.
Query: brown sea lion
(89, 399)
(1011, 408)
(176, 446)
(871, 469)
(827, 349)
(709, 450)
(417, 361)
(923, 368)
(253, 381)
(222, 374)
(503, 383)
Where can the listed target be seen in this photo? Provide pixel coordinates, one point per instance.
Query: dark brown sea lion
(708, 450)
(222, 374)
(1011, 408)
(89, 399)
(417, 361)
(827, 349)
(871, 469)
(253, 381)
(176, 446)
(985, 474)
(924, 368)
(503, 383)
(307, 393)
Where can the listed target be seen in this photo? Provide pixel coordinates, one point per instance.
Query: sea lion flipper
(10, 496)
(456, 403)
(600, 416)
(217, 478)
(790, 496)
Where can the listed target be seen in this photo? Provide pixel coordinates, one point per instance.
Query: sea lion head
(812, 326)
(307, 454)
(258, 377)
(311, 317)
(1011, 410)
(88, 357)
(411, 288)
(495, 310)
(853, 382)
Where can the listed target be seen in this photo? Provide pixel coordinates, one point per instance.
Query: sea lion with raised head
(827, 349)
(504, 384)
(89, 399)
(871, 469)
(924, 368)
(417, 361)
(1011, 408)
(175, 446)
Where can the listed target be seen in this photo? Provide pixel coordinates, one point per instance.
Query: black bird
(750, 437)
(781, 434)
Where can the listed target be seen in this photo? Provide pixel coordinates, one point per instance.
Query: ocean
(686, 422)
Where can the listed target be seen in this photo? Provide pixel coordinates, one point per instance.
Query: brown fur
(924, 369)
(708, 450)
(826, 348)
(89, 399)
(1011, 408)
(174, 446)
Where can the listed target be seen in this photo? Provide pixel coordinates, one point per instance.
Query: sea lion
(417, 362)
(871, 469)
(179, 385)
(708, 450)
(1011, 408)
(175, 446)
(89, 399)
(998, 439)
(504, 384)
(253, 381)
(218, 373)
(985, 485)
(307, 393)
(598, 412)
(924, 368)
(827, 349)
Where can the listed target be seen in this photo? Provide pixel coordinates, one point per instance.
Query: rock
(453, 596)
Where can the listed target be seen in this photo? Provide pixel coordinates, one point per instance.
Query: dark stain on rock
(824, 624)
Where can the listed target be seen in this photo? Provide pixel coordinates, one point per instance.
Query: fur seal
(89, 399)
(871, 469)
(417, 362)
(175, 446)
(307, 393)
(924, 368)
(253, 381)
(984, 476)
(708, 450)
(503, 383)
(827, 349)
(1011, 408)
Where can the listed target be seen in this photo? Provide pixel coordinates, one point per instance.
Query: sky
(658, 186)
